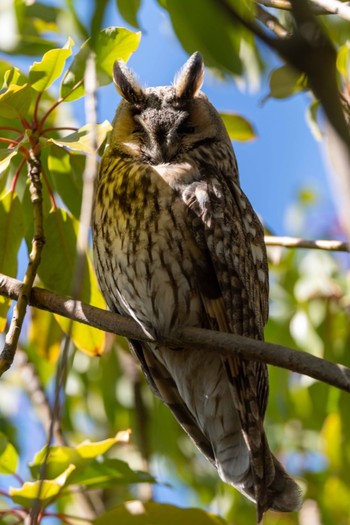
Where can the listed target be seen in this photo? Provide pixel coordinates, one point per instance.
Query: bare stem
(12, 336)
(206, 340)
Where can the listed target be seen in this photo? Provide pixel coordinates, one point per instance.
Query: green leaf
(112, 43)
(14, 76)
(285, 81)
(15, 102)
(80, 140)
(60, 458)
(343, 60)
(8, 456)
(44, 490)
(108, 473)
(11, 234)
(238, 128)
(202, 25)
(151, 513)
(66, 176)
(128, 10)
(5, 159)
(42, 74)
(56, 272)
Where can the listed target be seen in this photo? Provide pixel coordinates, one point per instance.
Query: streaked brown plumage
(177, 243)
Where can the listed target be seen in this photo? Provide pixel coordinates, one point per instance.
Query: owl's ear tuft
(189, 80)
(126, 84)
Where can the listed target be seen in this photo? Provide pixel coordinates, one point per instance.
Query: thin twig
(36, 391)
(295, 242)
(205, 340)
(12, 336)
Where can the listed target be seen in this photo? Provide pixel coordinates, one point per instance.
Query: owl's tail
(280, 492)
(259, 476)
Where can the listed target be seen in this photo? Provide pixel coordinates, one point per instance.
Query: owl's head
(159, 125)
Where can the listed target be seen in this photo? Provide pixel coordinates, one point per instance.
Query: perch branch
(297, 361)
(295, 242)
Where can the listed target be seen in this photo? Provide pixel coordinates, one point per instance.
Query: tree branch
(308, 50)
(320, 7)
(297, 361)
(334, 7)
(295, 242)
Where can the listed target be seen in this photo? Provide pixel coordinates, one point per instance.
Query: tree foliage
(307, 421)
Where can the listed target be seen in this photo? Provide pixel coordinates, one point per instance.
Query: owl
(177, 244)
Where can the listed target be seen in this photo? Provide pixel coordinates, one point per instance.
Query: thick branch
(278, 355)
(320, 7)
(295, 242)
(334, 7)
(308, 50)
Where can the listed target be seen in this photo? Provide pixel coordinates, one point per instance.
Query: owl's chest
(145, 255)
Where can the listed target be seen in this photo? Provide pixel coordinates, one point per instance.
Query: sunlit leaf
(343, 60)
(8, 456)
(332, 439)
(11, 234)
(5, 159)
(129, 9)
(81, 140)
(60, 457)
(151, 513)
(238, 127)
(14, 76)
(45, 335)
(42, 74)
(112, 44)
(15, 102)
(44, 490)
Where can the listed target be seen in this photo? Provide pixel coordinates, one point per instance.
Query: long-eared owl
(176, 244)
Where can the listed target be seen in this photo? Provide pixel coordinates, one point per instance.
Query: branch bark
(35, 188)
(295, 242)
(206, 340)
(319, 7)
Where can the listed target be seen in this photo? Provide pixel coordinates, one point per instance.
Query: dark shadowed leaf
(129, 10)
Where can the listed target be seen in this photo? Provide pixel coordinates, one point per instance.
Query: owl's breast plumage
(144, 250)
